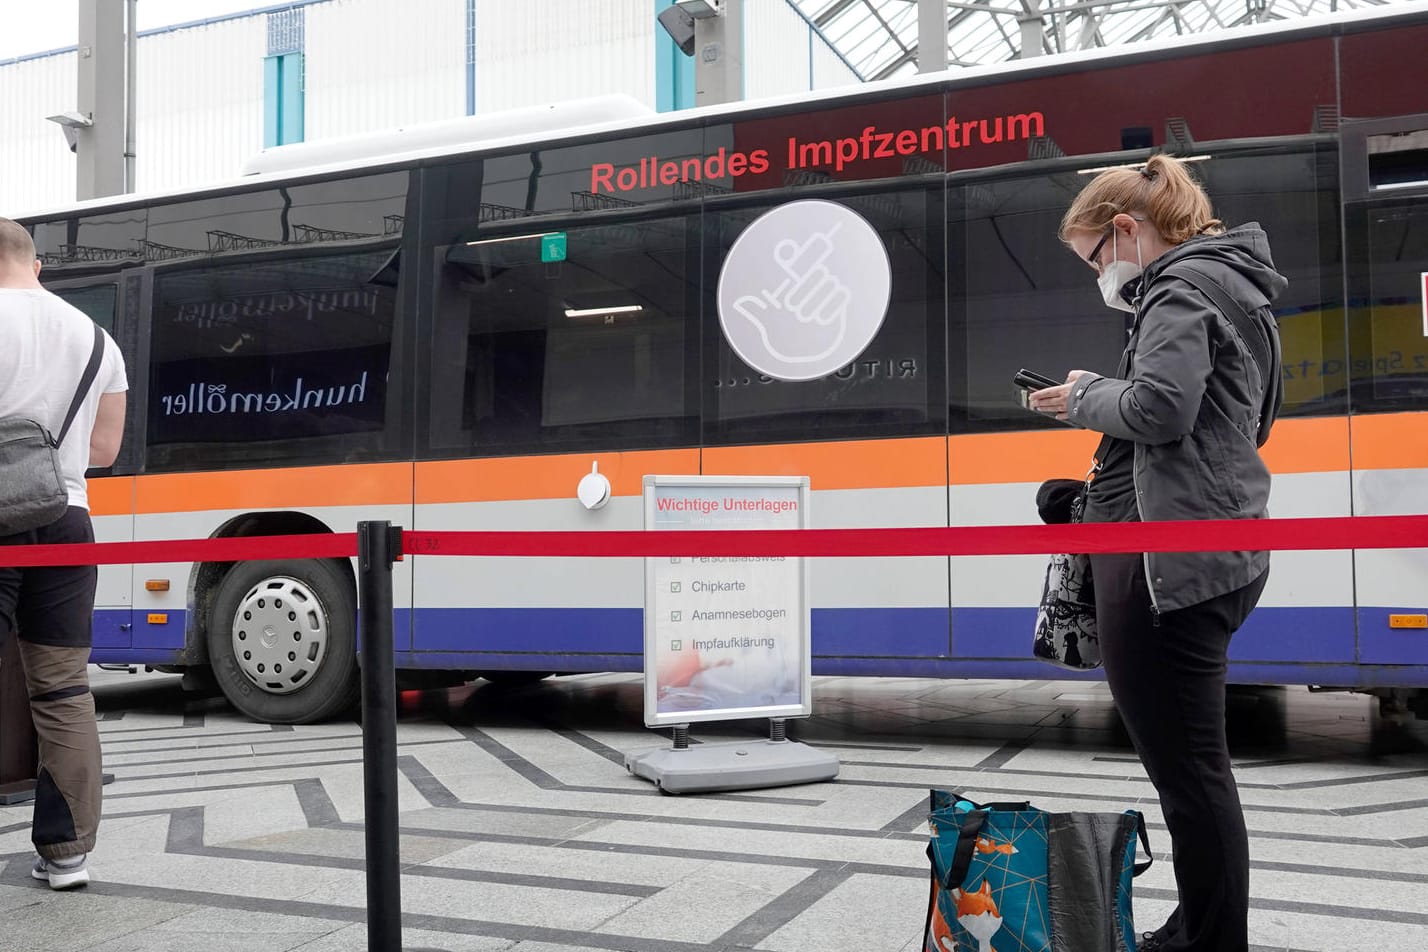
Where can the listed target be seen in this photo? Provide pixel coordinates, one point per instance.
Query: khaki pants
(68, 788)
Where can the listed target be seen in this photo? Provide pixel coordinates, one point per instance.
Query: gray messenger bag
(32, 491)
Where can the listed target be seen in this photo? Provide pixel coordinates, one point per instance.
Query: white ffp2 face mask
(1117, 275)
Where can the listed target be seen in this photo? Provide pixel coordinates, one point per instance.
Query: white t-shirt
(45, 345)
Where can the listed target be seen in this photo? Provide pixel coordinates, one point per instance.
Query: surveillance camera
(70, 123)
(679, 24)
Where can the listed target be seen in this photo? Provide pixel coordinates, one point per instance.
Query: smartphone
(1029, 380)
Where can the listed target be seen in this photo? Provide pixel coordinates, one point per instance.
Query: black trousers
(1168, 682)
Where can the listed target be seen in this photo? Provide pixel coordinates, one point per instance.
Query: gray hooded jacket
(1192, 399)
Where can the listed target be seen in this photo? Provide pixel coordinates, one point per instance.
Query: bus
(453, 335)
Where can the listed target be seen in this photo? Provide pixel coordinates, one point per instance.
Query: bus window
(589, 349)
(274, 361)
(1388, 330)
(1293, 192)
(1018, 299)
(892, 388)
(96, 302)
(80, 245)
(354, 211)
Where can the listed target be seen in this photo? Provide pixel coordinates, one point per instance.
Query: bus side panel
(1391, 479)
(111, 508)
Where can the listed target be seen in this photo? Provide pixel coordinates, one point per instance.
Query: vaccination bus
(452, 335)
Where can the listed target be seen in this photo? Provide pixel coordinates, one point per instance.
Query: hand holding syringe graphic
(809, 293)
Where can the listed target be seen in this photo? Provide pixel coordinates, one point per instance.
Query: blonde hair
(1162, 190)
(16, 247)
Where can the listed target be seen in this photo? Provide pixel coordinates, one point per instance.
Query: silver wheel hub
(280, 635)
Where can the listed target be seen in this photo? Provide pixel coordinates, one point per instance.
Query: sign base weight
(735, 765)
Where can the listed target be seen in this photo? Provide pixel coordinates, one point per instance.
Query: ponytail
(1162, 190)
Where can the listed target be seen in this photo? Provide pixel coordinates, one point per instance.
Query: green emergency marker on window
(552, 247)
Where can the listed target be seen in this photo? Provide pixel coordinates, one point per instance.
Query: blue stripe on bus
(1314, 635)
(887, 641)
(1380, 644)
(871, 632)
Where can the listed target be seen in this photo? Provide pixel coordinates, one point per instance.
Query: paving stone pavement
(521, 829)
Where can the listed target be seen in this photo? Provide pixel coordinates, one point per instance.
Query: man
(45, 345)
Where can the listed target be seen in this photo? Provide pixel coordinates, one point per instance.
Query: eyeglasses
(1093, 259)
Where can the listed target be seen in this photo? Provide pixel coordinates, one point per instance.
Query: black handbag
(32, 490)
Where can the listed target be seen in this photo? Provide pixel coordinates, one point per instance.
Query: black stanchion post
(378, 545)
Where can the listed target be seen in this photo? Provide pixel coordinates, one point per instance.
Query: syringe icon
(810, 292)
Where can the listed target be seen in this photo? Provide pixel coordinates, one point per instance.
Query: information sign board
(726, 638)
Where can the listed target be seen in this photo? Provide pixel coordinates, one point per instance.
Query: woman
(1197, 390)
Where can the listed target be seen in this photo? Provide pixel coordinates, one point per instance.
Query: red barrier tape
(1355, 532)
(326, 546)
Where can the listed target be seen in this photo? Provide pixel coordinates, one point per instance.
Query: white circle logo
(804, 290)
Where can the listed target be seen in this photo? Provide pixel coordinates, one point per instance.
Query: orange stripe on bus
(1390, 441)
(1020, 457)
(865, 464)
(1316, 444)
(357, 484)
(111, 496)
(544, 477)
(1311, 445)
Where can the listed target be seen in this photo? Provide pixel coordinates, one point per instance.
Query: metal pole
(719, 56)
(931, 36)
(1033, 33)
(100, 147)
(131, 90)
(376, 551)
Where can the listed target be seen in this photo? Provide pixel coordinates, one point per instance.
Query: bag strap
(1249, 330)
(966, 844)
(1144, 841)
(91, 370)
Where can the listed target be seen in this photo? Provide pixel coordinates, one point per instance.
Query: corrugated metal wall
(200, 108)
(783, 54)
(530, 52)
(37, 169)
(829, 69)
(776, 50)
(375, 64)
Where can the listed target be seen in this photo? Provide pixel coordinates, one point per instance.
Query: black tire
(304, 641)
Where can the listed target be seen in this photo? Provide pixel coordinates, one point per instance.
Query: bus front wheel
(282, 640)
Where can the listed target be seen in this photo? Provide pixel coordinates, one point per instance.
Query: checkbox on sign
(676, 616)
(674, 586)
(676, 646)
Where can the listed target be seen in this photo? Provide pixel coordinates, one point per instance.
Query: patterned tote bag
(1010, 877)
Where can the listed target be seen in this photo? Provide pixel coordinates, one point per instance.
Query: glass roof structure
(879, 37)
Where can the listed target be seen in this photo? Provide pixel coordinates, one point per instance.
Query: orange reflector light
(1408, 621)
(158, 618)
(157, 585)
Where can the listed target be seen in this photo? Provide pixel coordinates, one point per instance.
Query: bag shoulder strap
(1262, 349)
(1249, 330)
(91, 371)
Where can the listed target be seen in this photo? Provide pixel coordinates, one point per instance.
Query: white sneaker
(61, 874)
